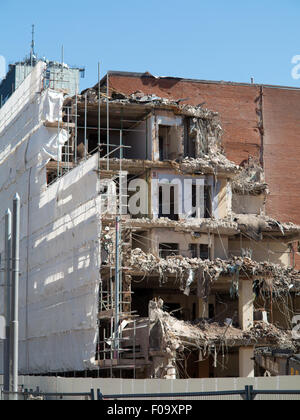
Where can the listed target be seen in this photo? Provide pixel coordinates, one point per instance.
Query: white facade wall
(60, 234)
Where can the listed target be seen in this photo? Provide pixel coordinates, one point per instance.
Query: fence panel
(248, 394)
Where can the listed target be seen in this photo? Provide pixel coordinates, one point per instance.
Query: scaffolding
(89, 131)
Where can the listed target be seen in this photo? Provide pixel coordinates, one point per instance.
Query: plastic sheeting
(60, 231)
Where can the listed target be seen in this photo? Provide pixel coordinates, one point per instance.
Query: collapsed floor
(202, 334)
(173, 340)
(208, 272)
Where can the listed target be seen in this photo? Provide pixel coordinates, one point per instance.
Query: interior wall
(248, 204)
(273, 251)
(177, 132)
(138, 142)
(227, 366)
(221, 247)
(226, 307)
(161, 235)
(223, 199)
(279, 312)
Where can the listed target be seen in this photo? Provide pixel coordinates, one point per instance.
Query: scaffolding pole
(85, 127)
(14, 326)
(117, 286)
(107, 119)
(99, 110)
(76, 123)
(7, 301)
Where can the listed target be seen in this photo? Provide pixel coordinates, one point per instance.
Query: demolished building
(146, 251)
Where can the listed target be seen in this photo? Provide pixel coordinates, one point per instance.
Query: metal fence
(247, 394)
(27, 395)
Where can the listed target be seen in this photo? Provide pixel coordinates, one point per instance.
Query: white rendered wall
(60, 230)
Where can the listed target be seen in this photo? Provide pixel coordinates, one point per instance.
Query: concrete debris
(207, 137)
(178, 335)
(91, 95)
(250, 179)
(207, 272)
(186, 225)
(151, 101)
(155, 101)
(212, 162)
(107, 240)
(209, 153)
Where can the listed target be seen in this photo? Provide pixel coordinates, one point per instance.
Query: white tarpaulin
(60, 231)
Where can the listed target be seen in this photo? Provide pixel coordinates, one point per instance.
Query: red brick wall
(282, 152)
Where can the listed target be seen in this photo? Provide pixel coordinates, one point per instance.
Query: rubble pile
(151, 101)
(155, 101)
(208, 272)
(268, 333)
(215, 162)
(261, 223)
(188, 225)
(250, 179)
(178, 335)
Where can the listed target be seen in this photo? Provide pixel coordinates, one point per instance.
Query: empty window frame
(201, 251)
(207, 200)
(164, 141)
(168, 209)
(204, 252)
(193, 248)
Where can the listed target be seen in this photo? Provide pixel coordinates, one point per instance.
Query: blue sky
(229, 40)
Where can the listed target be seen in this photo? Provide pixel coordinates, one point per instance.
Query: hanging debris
(250, 179)
(284, 278)
(256, 225)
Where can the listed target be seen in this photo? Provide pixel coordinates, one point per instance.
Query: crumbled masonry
(256, 225)
(152, 101)
(250, 180)
(178, 335)
(186, 225)
(206, 162)
(213, 164)
(209, 271)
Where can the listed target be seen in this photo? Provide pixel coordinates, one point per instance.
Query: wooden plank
(55, 124)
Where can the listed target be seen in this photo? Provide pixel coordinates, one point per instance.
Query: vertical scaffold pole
(99, 110)
(107, 120)
(117, 284)
(14, 362)
(7, 300)
(85, 128)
